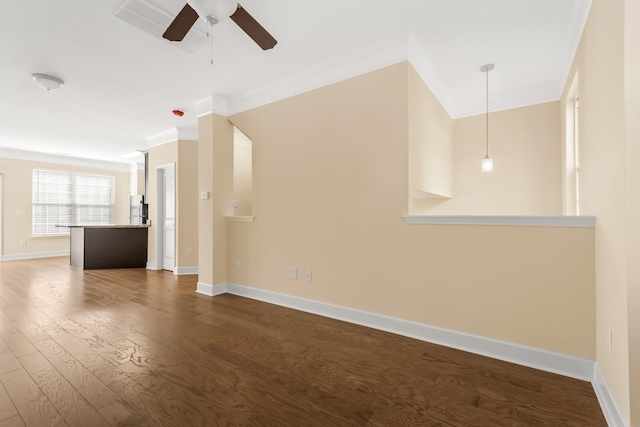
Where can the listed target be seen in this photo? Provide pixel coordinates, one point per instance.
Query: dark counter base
(101, 248)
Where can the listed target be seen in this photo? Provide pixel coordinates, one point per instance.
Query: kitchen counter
(105, 226)
(108, 246)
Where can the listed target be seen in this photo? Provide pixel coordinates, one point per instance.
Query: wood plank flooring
(134, 347)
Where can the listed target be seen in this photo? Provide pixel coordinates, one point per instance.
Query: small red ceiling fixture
(178, 113)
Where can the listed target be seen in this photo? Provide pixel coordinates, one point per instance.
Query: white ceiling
(121, 83)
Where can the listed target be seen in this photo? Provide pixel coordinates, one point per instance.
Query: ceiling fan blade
(181, 24)
(253, 28)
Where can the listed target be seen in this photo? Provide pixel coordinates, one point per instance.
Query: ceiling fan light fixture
(219, 9)
(47, 82)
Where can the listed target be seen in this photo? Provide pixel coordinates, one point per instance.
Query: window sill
(40, 236)
(502, 220)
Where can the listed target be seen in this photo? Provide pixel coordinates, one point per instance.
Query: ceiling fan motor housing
(219, 9)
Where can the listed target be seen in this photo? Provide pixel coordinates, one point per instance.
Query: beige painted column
(215, 177)
(632, 197)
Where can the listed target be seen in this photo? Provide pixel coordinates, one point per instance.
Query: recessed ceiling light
(47, 82)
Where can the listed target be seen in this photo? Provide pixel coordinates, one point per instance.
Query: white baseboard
(612, 412)
(152, 266)
(181, 271)
(558, 363)
(33, 255)
(211, 290)
(545, 360)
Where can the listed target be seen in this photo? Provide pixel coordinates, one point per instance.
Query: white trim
(211, 290)
(11, 153)
(187, 133)
(172, 135)
(212, 104)
(181, 271)
(575, 35)
(160, 214)
(524, 221)
(427, 71)
(33, 255)
(152, 266)
(612, 412)
(363, 61)
(517, 98)
(545, 360)
(240, 218)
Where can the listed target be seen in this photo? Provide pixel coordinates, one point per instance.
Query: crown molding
(187, 133)
(171, 135)
(525, 97)
(212, 104)
(581, 12)
(362, 61)
(404, 47)
(427, 71)
(11, 153)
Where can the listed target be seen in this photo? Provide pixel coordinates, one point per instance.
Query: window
(70, 198)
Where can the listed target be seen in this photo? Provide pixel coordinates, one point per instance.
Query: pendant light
(487, 161)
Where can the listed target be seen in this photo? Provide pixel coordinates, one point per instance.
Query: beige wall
(330, 185)
(17, 196)
(187, 204)
(215, 176)
(525, 144)
(430, 143)
(632, 196)
(242, 176)
(205, 206)
(140, 182)
(604, 157)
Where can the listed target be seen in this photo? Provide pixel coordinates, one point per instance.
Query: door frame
(160, 215)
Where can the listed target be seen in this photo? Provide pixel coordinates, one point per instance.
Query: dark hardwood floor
(136, 348)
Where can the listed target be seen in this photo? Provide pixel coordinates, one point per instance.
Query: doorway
(166, 222)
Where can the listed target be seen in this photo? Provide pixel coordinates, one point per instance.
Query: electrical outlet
(307, 275)
(189, 252)
(610, 340)
(293, 273)
(23, 243)
(239, 265)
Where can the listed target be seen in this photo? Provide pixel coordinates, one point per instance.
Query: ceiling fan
(212, 11)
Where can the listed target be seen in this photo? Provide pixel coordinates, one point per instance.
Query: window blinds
(70, 198)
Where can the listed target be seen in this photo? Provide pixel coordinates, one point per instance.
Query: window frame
(76, 204)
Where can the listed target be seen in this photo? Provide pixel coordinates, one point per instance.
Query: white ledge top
(240, 218)
(523, 221)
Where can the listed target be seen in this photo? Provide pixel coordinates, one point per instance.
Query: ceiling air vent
(153, 20)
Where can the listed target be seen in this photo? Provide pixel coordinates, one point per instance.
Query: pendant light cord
(487, 73)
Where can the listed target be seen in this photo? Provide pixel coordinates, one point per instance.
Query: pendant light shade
(487, 163)
(487, 160)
